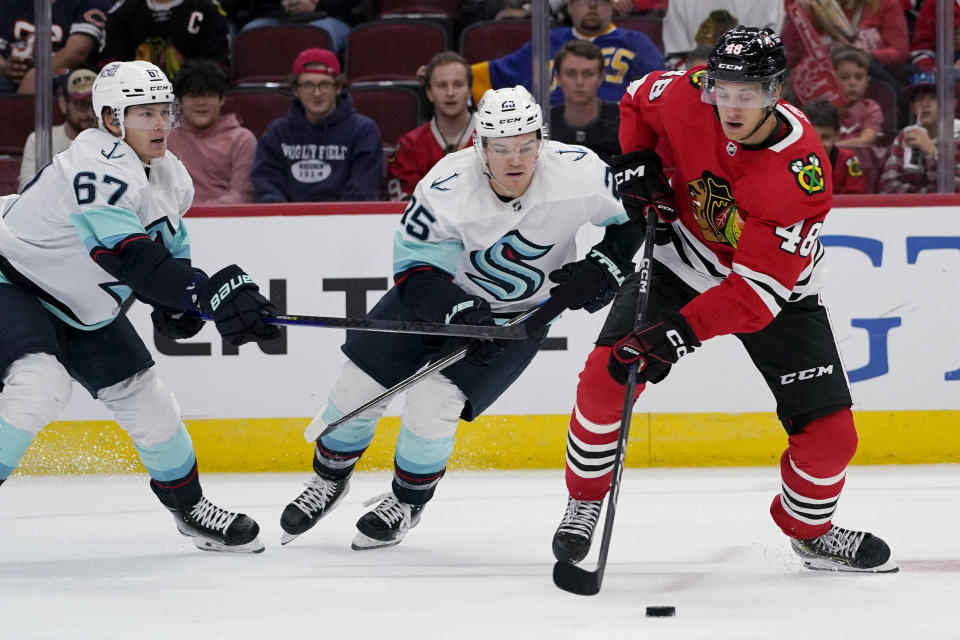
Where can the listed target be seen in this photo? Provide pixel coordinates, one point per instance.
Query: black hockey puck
(661, 612)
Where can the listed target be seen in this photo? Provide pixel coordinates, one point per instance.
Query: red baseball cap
(324, 62)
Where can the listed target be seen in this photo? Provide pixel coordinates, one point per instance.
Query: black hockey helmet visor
(749, 64)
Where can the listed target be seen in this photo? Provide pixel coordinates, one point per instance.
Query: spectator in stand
(332, 15)
(76, 34)
(698, 57)
(447, 82)
(689, 24)
(923, 49)
(583, 118)
(847, 173)
(629, 55)
(523, 10)
(911, 166)
(167, 33)
(323, 150)
(215, 148)
(861, 119)
(880, 29)
(73, 92)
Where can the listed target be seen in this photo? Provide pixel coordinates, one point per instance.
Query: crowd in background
(862, 70)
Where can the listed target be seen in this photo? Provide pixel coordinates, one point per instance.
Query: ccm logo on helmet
(806, 374)
(732, 67)
(227, 288)
(509, 120)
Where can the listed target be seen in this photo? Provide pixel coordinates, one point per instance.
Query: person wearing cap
(322, 150)
(911, 165)
(74, 99)
(215, 148)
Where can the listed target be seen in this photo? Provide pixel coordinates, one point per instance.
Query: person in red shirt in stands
(447, 83)
(848, 176)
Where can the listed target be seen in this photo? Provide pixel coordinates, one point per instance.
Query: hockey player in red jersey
(737, 253)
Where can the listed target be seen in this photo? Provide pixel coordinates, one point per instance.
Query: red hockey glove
(640, 181)
(655, 347)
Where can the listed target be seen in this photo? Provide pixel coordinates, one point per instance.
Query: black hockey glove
(175, 324)
(591, 283)
(475, 310)
(655, 348)
(233, 300)
(641, 182)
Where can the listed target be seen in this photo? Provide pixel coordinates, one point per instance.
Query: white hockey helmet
(506, 112)
(124, 84)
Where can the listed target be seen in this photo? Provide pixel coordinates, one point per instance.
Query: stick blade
(572, 578)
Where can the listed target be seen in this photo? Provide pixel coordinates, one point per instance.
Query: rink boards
(892, 294)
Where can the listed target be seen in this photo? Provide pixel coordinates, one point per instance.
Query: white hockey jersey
(504, 251)
(92, 196)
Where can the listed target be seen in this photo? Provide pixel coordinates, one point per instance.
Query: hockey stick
(570, 577)
(532, 320)
(500, 332)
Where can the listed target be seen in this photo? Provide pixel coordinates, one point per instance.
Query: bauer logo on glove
(227, 288)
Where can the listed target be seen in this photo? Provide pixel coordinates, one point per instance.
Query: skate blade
(205, 544)
(827, 565)
(364, 543)
(286, 538)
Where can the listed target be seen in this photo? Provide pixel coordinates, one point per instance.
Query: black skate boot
(845, 550)
(571, 542)
(319, 498)
(216, 529)
(387, 524)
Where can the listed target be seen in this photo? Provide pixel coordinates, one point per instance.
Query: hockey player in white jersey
(99, 223)
(484, 230)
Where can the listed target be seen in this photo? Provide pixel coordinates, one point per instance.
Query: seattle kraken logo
(112, 154)
(503, 268)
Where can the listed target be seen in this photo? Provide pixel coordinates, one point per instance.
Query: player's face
(590, 17)
(853, 80)
(78, 113)
(201, 111)
(448, 90)
(580, 79)
(828, 137)
(924, 107)
(737, 107)
(147, 127)
(318, 93)
(512, 161)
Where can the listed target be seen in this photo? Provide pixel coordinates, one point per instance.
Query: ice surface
(98, 557)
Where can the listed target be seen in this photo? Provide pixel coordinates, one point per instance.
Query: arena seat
(493, 38)
(257, 107)
(9, 173)
(650, 25)
(453, 9)
(392, 49)
(396, 107)
(266, 54)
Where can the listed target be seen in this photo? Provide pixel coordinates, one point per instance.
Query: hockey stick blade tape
(661, 612)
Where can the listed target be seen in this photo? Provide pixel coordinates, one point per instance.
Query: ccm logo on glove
(227, 288)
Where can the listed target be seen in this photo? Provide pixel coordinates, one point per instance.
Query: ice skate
(216, 529)
(572, 540)
(319, 498)
(845, 550)
(387, 524)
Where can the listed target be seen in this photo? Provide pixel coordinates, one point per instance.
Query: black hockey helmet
(746, 54)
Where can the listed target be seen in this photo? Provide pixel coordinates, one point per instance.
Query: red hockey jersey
(746, 237)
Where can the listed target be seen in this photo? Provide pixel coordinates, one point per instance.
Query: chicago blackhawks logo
(503, 269)
(853, 167)
(696, 79)
(809, 174)
(715, 209)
